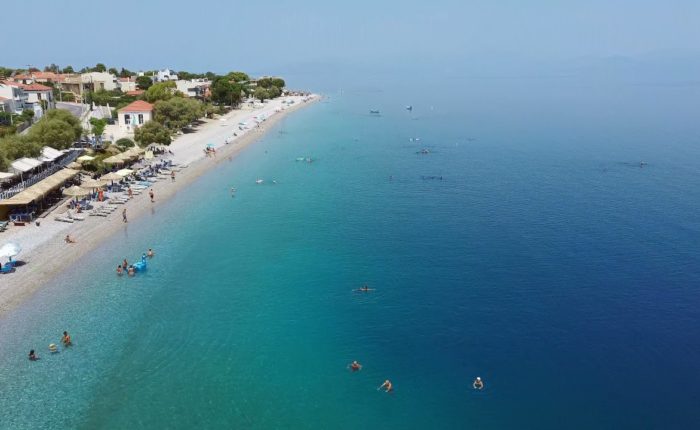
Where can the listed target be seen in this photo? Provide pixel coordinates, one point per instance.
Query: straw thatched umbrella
(75, 191)
(75, 165)
(93, 183)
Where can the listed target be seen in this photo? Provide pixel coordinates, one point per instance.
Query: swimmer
(120, 271)
(478, 384)
(131, 271)
(66, 339)
(355, 366)
(150, 253)
(125, 264)
(33, 356)
(388, 387)
(364, 289)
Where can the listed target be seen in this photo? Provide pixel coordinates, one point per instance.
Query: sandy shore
(43, 248)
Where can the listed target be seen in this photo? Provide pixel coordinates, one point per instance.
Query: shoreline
(46, 255)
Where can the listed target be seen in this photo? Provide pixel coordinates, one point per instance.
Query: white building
(100, 81)
(165, 75)
(126, 84)
(14, 95)
(135, 115)
(37, 93)
(193, 88)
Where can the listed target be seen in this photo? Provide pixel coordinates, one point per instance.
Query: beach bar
(24, 206)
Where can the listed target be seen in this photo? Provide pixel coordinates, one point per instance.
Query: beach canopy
(10, 249)
(40, 189)
(84, 158)
(5, 175)
(75, 191)
(111, 177)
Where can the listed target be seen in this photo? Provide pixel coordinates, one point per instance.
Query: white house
(193, 88)
(100, 81)
(14, 94)
(126, 84)
(165, 75)
(135, 115)
(36, 93)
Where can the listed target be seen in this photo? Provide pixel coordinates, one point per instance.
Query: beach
(44, 251)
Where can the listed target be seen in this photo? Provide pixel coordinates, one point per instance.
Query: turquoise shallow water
(546, 261)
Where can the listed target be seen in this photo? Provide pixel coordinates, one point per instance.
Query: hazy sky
(220, 35)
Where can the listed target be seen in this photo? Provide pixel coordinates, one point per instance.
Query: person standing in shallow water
(150, 193)
(124, 215)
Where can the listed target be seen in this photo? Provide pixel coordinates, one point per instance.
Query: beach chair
(63, 218)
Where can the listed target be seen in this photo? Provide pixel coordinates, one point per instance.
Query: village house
(134, 115)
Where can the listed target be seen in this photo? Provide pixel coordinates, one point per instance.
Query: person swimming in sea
(125, 264)
(387, 386)
(355, 366)
(150, 253)
(364, 289)
(131, 271)
(33, 356)
(120, 271)
(478, 384)
(66, 339)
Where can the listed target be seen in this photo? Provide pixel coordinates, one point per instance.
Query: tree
(98, 126)
(144, 82)
(238, 77)
(99, 67)
(225, 92)
(160, 91)
(68, 69)
(261, 93)
(51, 68)
(124, 73)
(124, 143)
(113, 71)
(271, 82)
(58, 129)
(177, 112)
(16, 146)
(152, 132)
(6, 72)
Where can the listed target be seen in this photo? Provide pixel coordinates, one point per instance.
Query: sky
(268, 36)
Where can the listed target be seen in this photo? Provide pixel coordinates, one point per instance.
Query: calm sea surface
(527, 247)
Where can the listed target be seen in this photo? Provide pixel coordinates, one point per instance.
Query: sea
(539, 232)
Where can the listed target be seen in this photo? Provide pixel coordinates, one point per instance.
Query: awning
(25, 164)
(124, 172)
(50, 154)
(5, 175)
(40, 189)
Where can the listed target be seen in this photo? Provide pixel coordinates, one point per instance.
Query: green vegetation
(177, 112)
(98, 126)
(124, 143)
(68, 69)
(224, 91)
(161, 91)
(99, 67)
(57, 129)
(266, 93)
(144, 82)
(271, 82)
(152, 132)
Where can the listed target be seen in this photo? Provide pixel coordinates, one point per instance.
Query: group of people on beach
(387, 386)
(53, 349)
(130, 270)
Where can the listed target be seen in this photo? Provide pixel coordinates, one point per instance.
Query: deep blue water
(546, 261)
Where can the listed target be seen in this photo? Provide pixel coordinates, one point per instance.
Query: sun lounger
(76, 217)
(63, 218)
(97, 212)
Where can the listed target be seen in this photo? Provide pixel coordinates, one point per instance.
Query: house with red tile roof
(135, 115)
(40, 95)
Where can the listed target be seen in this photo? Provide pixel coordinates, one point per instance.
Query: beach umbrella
(85, 158)
(10, 249)
(93, 183)
(75, 191)
(111, 177)
(74, 165)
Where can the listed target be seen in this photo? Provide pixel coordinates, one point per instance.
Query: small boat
(423, 151)
(301, 158)
(409, 107)
(376, 112)
(259, 181)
